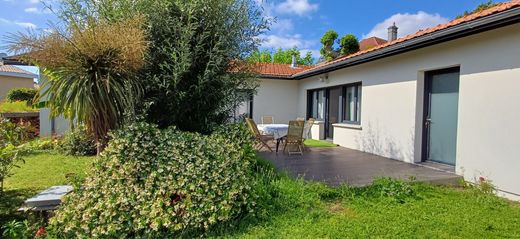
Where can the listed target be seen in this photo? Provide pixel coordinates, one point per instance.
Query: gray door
(442, 112)
(333, 109)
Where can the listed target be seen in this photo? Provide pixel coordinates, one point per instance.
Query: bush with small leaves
(151, 183)
(21, 94)
(78, 142)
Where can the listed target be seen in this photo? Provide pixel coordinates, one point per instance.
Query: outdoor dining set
(292, 135)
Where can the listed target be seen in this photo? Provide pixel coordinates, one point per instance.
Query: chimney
(392, 33)
(293, 63)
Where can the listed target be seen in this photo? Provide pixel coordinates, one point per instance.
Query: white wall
(278, 98)
(60, 124)
(489, 101)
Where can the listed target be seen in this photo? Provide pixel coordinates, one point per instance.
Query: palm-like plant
(91, 68)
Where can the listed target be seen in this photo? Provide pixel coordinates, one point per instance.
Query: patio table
(278, 131)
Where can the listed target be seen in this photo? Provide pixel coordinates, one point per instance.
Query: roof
(371, 42)
(422, 38)
(275, 70)
(9, 70)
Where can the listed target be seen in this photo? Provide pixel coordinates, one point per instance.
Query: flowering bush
(78, 142)
(158, 183)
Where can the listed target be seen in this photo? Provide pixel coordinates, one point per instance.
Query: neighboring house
(14, 77)
(448, 94)
(370, 43)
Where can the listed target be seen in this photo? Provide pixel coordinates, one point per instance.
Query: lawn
(318, 143)
(388, 209)
(40, 171)
(18, 106)
(289, 208)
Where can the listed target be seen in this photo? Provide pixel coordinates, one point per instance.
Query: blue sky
(300, 23)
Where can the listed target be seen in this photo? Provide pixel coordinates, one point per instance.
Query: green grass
(389, 209)
(18, 106)
(40, 171)
(318, 143)
(288, 208)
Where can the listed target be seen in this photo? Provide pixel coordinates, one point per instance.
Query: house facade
(13, 77)
(447, 96)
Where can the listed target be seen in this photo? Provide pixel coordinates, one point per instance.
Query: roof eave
(20, 75)
(277, 77)
(493, 21)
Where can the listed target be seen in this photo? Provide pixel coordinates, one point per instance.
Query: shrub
(21, 94)
(11, 135)
(78, 142)
(151, 183)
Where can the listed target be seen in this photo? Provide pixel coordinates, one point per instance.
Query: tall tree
(327, 50)
(260, 56)
(348, 44)
(91, 64)
(191, 83)
(282, 56)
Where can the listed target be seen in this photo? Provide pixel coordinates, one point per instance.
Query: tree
(192, 81)
(348, 44)
(479, 8)
(282, 56)
(91, 64)
(260, 56)
(327, 50)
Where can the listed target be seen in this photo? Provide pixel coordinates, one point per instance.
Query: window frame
(357, 106)
(343, 102)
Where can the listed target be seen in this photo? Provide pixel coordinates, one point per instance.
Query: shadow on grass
(10, 201)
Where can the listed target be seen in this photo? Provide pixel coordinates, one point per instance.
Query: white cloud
(31, 10)
(282, 25)
(298, 7)
(285, 42)
(37, 11)
(407, 24)
(315, 53)
(20, 24)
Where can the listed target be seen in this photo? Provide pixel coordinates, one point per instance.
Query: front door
(333, 110)
(442, 100)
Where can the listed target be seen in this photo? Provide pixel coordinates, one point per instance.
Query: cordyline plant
(91, 65)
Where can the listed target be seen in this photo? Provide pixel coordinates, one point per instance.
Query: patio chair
(307, 131)
(260, 141)
(294, 137)
(300, 119)
(267, 120)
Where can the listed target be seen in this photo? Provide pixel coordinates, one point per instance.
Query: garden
(186, 185)
(149, 87)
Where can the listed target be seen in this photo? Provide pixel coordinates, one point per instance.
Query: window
(318, 104)
(352, 103)
(324, 104)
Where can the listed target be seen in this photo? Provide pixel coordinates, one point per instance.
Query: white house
(449, 94)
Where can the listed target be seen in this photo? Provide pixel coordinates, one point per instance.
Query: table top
(277, 130)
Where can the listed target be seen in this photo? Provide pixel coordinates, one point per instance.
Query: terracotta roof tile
(371, 42)
(499, 8)
(278, 70)
(13, 69)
